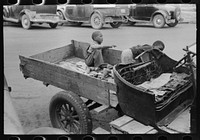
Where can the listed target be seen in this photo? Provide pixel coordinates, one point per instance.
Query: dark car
(96, 15)
(30, 14)
(158, 14)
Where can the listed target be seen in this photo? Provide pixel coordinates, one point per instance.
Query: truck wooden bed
(69, 109)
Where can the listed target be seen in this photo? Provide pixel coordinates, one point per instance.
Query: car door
(139, 12)
(150, 9)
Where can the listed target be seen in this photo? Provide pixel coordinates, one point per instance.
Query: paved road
(31, 97)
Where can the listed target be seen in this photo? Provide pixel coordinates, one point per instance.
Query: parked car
(96, 15)
(158, 14)
(31, 14)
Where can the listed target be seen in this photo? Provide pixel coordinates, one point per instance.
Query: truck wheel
(61, 17)
(116, 24)
(173, 24)
(25, 21)
(96, 21)
(158, 21)
(68, 112)
(53, 25)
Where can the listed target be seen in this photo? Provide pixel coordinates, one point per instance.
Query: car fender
(29, 13)
(162, 12)
(97, 11)
(62, 10)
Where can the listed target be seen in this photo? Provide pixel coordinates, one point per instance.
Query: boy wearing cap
(129, 55)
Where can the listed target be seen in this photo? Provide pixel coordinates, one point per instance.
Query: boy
(94, 56)
(129, 55)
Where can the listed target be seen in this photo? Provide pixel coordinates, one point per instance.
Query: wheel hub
(158, 21)
(25, 21)
(97, 21)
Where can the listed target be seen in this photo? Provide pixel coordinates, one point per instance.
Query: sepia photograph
(100, 69)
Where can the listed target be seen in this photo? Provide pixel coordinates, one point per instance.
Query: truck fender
(162, 12)
(29, 13)
(97, 11)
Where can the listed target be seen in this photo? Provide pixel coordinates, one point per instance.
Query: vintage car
(96, 15)
(158, 14)
(30, 14)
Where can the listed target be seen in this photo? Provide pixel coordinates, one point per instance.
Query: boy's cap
(95, 34)
(160, 44)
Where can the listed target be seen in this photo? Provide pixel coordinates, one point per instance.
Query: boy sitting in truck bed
(94, 56)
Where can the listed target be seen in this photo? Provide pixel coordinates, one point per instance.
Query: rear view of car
(157, 14)
(31, 14)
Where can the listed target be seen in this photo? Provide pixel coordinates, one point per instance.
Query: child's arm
(102, 47)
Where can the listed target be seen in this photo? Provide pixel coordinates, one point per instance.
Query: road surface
(31, 98)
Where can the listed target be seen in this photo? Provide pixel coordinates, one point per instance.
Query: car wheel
(25, 21)
(173, 24)
(53, 25)
(158, 21)
(116, 24)
(96, 21)
(61, 17)
(68, 112)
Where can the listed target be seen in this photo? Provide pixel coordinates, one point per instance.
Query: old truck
(96, 15)
(69, 110)
(27, 15)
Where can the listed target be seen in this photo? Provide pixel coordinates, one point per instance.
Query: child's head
(97, 36)
(159, 45)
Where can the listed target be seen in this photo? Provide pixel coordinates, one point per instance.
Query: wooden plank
(135, 127)
(101, 109)
(55, 55)
(181, 123)
(152, 131)
(121, 121)
(115, 130)
(100, 130)
(68, 73)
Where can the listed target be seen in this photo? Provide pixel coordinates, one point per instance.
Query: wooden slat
(101, 109)
(56, 55)
(181, 123)
(121, 121)
(100, 130)
(134, 127)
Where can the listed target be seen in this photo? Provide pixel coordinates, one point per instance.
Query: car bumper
(115, 19)
(45, 18)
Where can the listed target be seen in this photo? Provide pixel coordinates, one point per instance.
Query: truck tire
(25, 21)
(68, 112)
(173, 24)
(115, 24)
(158, 21)
(53, 25)
(96, 21)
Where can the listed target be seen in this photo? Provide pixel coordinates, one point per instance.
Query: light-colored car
(158, 14)
(96, 14)
(31, 14)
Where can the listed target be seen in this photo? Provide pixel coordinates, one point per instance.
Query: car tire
(131, 23)
(61, 17)
(96, 21)
(68, 112)
(116, 24)
(173, 24)
(53, 25)
(25, 21)
(158, 21)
